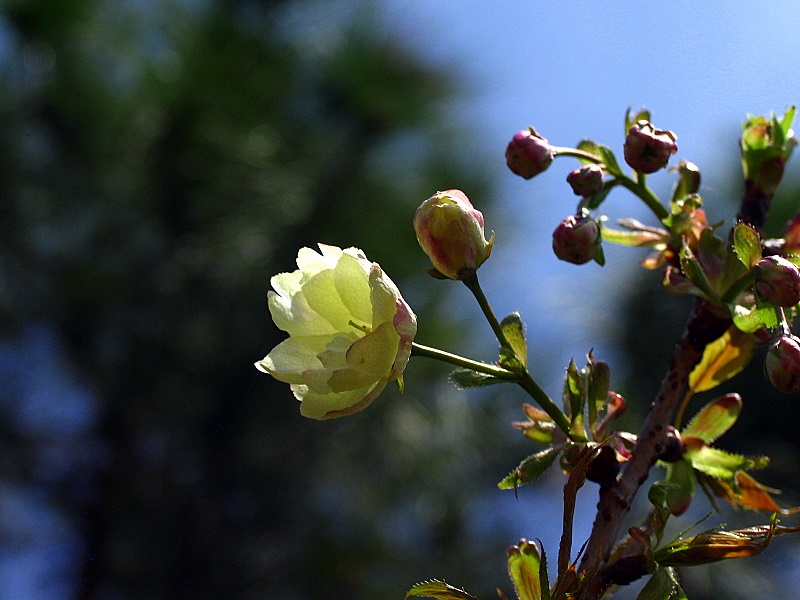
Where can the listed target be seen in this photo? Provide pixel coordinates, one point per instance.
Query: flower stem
(525, 379)
(460, 361)
(645, 194)
(575, 153)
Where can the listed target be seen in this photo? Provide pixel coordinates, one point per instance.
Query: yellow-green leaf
(439, 590)
(524, 563)
(722, 359)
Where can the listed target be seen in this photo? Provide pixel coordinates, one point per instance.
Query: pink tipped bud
(648, 149)
(450, 231)
(577, 240)
(777, 281)
(586, 181)
(782, 364)
(528, 153)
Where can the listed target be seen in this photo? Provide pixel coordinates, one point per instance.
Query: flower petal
(289, 360)
(368, 360)
(352, 284)
(331, 406)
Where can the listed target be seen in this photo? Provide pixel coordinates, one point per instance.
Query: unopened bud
(577, 240)
(777, 281)
(586, 181)
(528, 153)
(648, 149)
(674, 447)
(782, 364)
(604, 467)
(450, 231)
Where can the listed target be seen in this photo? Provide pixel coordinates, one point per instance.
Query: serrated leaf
(750, 320)
(524, 564)
(746, 244)
(467, 378)
(722, 359)
(715, 418)
(663, 585)
(718, 463)
(679, 495)
(508, 359)
(514, 330)
(439, 590)
(530, 469)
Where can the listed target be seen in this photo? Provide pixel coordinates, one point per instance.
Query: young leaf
(718, 463)
(694, 272)
(509, 360)
(524, 563)
(467, 378)
(749, 494)
(514, 329)
(679, 495)
(573, 392)
(663, 585)
(746, 244)
(715, 418)
(657, 495)
(530, 469)
(439, 590)
(722, 359)
(750, 320)
(610, 161)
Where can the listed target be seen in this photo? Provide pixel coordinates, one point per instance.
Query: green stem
(575, 153)
(525, 380)
(460, 361)
(643, 192)
(471, 281)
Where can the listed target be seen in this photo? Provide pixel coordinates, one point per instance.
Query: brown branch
(703, 327)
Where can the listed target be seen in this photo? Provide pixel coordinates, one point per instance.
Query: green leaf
(609, 160)
(694, 272)
(750, 320)
(590, 147)
(631, 118)
(746, 244)
(439, 590)
(508, 359)
(524, 564)
(572, 394)
(722, 359)
(514, 330)
(636, 237)
(715, 418)
(467, 378)
(530, 469)
(663, 585)
(679, 495)
(718, 463)
(657, 495)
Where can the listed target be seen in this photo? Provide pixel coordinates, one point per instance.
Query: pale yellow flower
(350, 331)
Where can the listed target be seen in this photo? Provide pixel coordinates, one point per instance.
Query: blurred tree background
(161, 160)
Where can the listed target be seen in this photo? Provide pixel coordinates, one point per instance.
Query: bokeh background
(161, 159)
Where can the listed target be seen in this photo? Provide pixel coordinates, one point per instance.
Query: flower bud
(577, 240)
(528, 153)
(648, 149)
(782, 364)
(777, 281)
(451, 233)
(586, 181)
